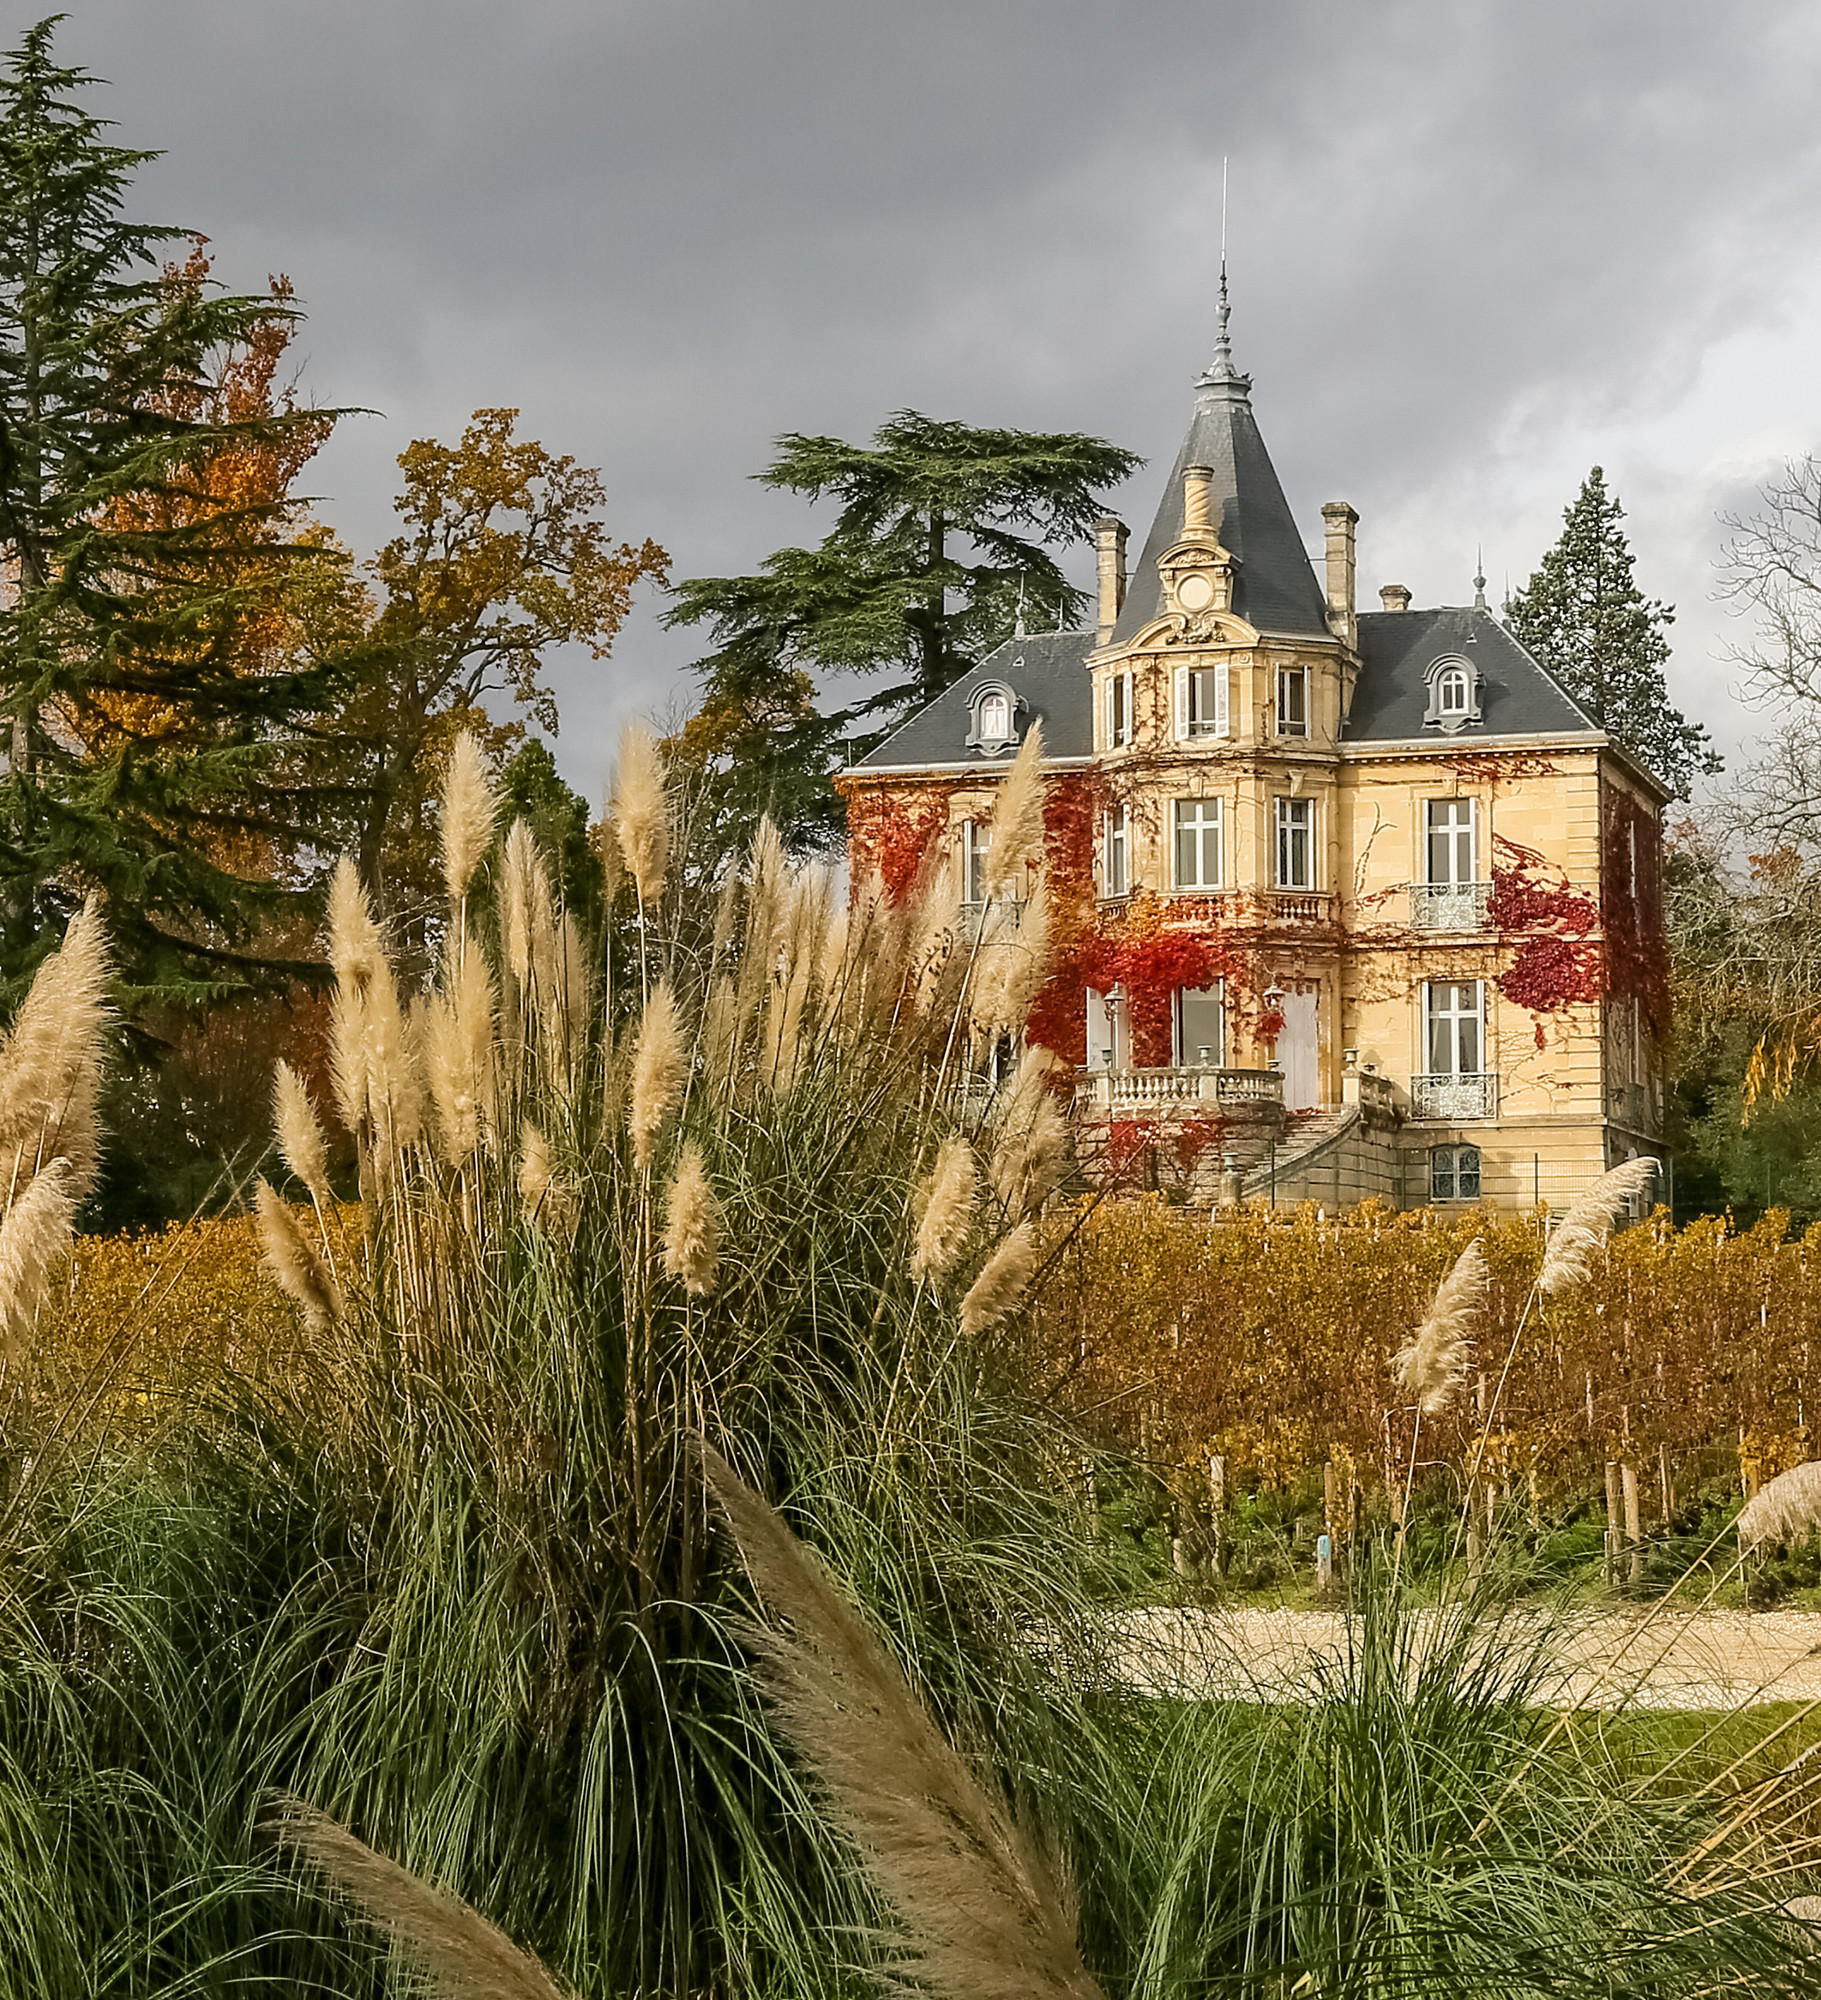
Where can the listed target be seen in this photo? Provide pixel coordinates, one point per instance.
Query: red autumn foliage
(889, 835)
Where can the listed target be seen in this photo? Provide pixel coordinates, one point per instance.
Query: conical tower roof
(1274, 583)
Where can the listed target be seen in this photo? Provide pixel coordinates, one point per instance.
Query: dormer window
(995, 720)
(1454, 694)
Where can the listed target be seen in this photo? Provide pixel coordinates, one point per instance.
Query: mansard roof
(1046, 674)
(1517, 695)
(1047, 677)
(1274, 583)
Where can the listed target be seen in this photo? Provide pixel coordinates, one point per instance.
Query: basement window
(1454, 1173)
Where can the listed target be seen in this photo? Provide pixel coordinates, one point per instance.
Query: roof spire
(1479, 578)
(1221, 369)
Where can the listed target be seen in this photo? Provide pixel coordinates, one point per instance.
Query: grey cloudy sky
(1476, 245)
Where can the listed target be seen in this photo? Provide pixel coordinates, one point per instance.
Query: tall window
(1293, 701)
(1198, 857)
(1119, 711)
(1451, 858)
(975, 839)
(1200, 1027)
(1456, 1027)
(1114, 878)
(994, 724)
(1453, 696)
(1296, 843)
(1207, 701)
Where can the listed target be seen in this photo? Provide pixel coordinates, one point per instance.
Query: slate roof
(1048, 675)
(1274, 585)
(1518, 697)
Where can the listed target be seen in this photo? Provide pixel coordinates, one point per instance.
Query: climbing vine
(1558, 960)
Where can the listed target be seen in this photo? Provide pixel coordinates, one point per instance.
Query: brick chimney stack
(1340, 521)
(1109, 550)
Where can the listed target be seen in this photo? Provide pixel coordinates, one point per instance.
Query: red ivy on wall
(1559, 960)
(1631, 852)
(889, 834)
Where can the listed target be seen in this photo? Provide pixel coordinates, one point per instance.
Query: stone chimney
(1109, 549)
(1394, 596)
(1340, 521)
(1197, 498)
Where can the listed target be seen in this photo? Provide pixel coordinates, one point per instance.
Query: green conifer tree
(147, 741)
(944, 531)
(1585, 619)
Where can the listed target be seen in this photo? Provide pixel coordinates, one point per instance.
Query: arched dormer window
(1454, 694)
(995, 719)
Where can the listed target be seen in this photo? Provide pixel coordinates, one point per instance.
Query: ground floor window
(1454, 1173)
(1200, 1027)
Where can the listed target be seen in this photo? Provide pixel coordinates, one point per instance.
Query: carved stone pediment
(1197, 575)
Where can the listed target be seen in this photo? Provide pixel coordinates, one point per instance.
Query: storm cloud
(1474, 249)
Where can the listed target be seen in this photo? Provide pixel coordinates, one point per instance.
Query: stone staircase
(1310, 1143)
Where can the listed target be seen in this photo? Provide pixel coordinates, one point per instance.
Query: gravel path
(1713, 1660)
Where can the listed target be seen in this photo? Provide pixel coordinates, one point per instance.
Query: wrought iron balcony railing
(1455, 1098)
(1449, 906)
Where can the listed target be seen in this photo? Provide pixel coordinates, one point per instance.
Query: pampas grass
(641, 817)
(657, 1076)
(1434, 1364)
(1582, 1232)
(465, 1957)
(1032, 1149)
(469, 810)
(294, 1261)
(692, 1226)
(51, 1061)
(300, 1135)
(981, 1916)
(945, 1203)
(1000, 1288)
(1017, 832)
(33, 1237)
(1787, 1509)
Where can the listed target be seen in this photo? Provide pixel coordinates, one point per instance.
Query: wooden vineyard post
(1634, 1524)
(1217, 1503)
(1667, 1484)
(1614, 1531)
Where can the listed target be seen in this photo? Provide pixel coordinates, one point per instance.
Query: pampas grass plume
(1028, 1160)
(1001, 1285)
(1434, 1364)
(300, 1138)
(1017, 832)
(1582, 1232)
(51, 1060)
(534, 1172)
(946, 1204)
(468, 815)
(1788, 1509)
(294, 1262)
(466, 1957)
(657, 1075)
(692, 1226)
(354, 946)
(34, 1234)
(981, 1916)
(641, 813)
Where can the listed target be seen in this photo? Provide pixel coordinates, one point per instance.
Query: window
(994, 723)
(1450, 843)
(1113, 853)
(1119, 711)
(1296, 843)
(1454, 1173)
(1456, 1035)
(1293, 701)
(1200, 1027)
(975, 840)
(1206, 701)
(1198, 844)
(1453, 685)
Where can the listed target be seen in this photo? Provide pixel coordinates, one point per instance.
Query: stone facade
(1352, 903)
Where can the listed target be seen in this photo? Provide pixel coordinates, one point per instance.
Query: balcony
(1449, 906)
(1457, 1099)
(1300, 906)
(1177, 1089)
